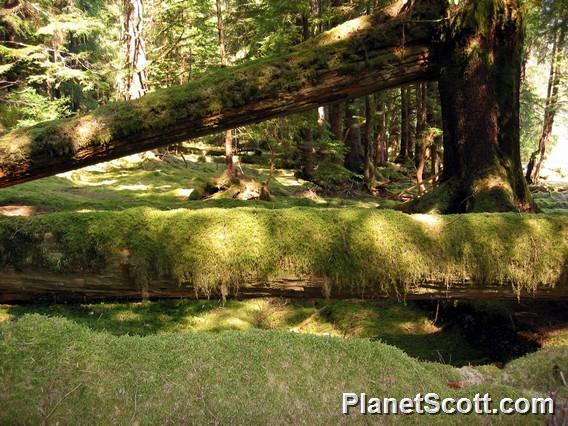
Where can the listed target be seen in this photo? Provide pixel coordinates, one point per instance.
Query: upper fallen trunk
(367, 54)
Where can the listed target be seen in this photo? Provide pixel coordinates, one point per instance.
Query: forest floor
(255, 361)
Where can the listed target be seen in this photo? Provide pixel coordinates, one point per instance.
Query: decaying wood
(38, 285)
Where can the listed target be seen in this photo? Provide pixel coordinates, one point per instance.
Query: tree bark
(307, 152)
(424, 138)
(355, 158)
(404, 126)
(228, 140)
(421, 116)
(369, 141)
(381, 148)
(551, 106)
(479, 89)
(132, 80)
(336, 120)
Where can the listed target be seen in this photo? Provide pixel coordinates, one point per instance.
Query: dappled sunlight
(345, 31)
(138, 187)
(127, 316)
(420, 327)
(431, 221)
(18, 210)
(86, 128)
(4, 315)
(184, 192)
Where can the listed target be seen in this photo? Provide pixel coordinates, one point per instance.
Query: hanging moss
(365, 250)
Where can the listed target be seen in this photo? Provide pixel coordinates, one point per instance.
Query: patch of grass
(402, 325)
(360, 249)
(54, 370)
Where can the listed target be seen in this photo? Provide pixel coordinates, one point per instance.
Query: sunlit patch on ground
(17, 210)
(429, 220)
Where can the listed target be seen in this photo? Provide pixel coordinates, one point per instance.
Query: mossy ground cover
(405, 326)
(59, 371)
(124, 184)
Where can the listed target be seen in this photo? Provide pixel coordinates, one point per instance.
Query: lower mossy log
(297, 252)
(39, 286)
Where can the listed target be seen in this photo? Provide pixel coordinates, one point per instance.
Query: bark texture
(114, 283)
(480, 88)
(228, 140)
(132, 80)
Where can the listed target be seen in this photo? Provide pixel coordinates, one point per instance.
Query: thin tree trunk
(435, 160)
(551, 106)
(394, 130)
(230, 168)
(425, 137)
(307, 150)
(369, 140)
(404, 126)
(421, 115)
(355, 157)
(381, 150)
(336, 112)
(132, 80)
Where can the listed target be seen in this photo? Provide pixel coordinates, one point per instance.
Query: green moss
(403, 325)
(76, 375)
(364, 250)
(539, 372)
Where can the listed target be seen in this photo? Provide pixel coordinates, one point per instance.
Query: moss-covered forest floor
(262, 360)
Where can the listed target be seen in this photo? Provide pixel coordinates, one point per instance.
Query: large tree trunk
(479, 88)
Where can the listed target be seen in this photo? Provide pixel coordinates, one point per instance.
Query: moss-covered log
(370, 53)
(480, 88)
(296, 252)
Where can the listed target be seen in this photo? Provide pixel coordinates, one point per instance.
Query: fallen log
(390, 48)
(307, 253)
(39, 286)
